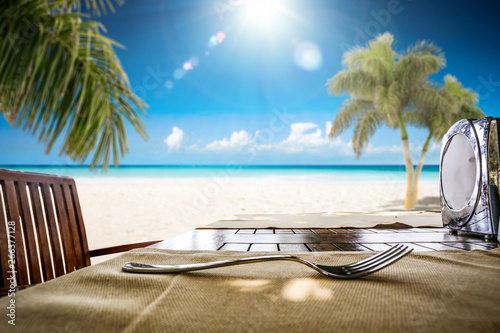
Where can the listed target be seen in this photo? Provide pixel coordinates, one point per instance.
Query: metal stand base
(489, 238)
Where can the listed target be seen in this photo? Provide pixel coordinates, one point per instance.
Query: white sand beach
(123, 210)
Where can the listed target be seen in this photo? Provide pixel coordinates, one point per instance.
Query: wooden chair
(42, 233)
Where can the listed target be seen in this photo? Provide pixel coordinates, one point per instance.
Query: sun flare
(264, 11)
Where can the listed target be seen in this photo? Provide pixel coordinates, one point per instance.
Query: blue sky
(229, 82)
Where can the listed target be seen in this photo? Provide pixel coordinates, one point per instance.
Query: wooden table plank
(305, 239)
(433, 229)
(263, 247)
(343, 231)
(356, 231)
(491, 245)
(234, 247)
(283, 231)
(467, 246)
(437, 246)
(246, 231)
(351, 247)
(293, 247)
(401, 231)
(264, 231)
(381, 231)
(322, 247)
(416, 247)
(376, 246)
(348, 238)
(302, 231)
(323, 231)
(203, 240)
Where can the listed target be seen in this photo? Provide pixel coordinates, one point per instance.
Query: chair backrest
(42, 234)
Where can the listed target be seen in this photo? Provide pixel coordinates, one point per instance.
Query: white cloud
(238, 141)
(371, 149)
(328, 127)
(299, 140)
(174, 140)
(303, 137)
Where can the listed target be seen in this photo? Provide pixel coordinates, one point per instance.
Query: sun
(272, 20)
(265, 12)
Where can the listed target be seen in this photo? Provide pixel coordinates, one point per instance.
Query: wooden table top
(324, 239)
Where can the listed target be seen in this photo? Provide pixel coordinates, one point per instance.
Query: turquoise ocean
(303, 172)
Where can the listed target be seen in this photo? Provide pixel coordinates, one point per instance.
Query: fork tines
(378, 261)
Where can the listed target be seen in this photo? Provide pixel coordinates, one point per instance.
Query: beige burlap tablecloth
(445, 291)
(327, 220)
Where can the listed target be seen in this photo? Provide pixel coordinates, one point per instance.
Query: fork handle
(134, 267)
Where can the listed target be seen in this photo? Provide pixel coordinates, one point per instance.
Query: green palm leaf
(349, 112)
(358, 83)
(364, 129)
(389, 102)
(64, 81)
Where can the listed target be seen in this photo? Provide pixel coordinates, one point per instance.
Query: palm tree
(60, 78)
(456, 103)
(383, 86)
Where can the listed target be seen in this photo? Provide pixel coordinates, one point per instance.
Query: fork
(351, 271)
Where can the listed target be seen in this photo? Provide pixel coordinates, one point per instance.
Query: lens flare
(212, 42)
(179, 73)
(308, 56)
(194, 61)
(216, 39)
(220, 36)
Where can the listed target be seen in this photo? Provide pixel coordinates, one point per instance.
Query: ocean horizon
(313, 172)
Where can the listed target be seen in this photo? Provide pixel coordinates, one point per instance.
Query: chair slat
(55, 244)
(43, 242)
(81, 224)
(74, 227)
(13, 214)
(4, 247)
(29, 234)
(64, 228)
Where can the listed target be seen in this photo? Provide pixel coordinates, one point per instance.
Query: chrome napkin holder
(469, 177)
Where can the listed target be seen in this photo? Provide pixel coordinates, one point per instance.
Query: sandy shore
(124, 210)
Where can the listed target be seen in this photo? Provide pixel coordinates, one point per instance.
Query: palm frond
(389, 102)
(418, 63)
(381, 70)
(358, 83)
(468, 112)
(380, 47)
(454, 88)
(66, 83)
(426, 97)
(426, 47)
(364, 129)
(437, 109)
(350, 110)
(377, 58)
(416, 118)
(433, 109)
(97, 7)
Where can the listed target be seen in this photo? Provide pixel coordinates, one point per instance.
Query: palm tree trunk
(420, 164)
(410, 197)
